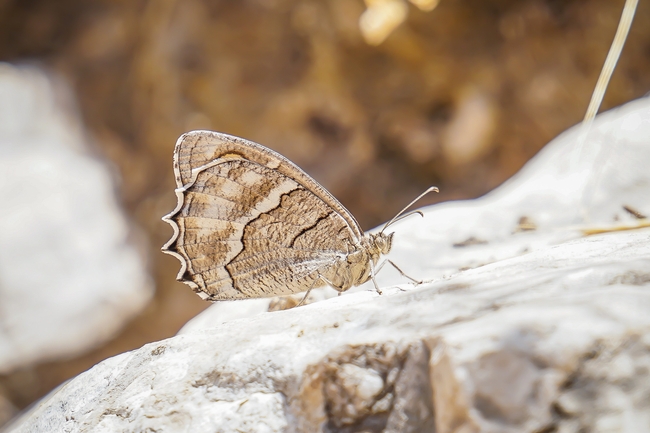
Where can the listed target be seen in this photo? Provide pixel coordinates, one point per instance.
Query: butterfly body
(249, 223)
(355, 268)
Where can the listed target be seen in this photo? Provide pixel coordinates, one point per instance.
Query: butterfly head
(358, 266)
(381, 243)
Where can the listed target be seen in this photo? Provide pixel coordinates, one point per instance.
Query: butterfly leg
(331, 284)
(325, 280)
(398, 270)
(309, 290)
(304, 298)
(372, 276)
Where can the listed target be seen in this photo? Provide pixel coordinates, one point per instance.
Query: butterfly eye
(383, 243)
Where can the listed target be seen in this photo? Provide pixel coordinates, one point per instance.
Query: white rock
(68, 276)
(525, 332)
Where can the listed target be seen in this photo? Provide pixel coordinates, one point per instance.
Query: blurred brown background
(459, 97)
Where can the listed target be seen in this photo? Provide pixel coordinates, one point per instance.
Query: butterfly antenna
(408, 215)
(396, 217)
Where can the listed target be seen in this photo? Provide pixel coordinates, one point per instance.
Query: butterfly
(249, 224)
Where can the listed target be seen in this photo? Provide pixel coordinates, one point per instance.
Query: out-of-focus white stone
(515, 331)
(69, 276)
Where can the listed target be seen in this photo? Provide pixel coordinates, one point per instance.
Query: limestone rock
(525, 324)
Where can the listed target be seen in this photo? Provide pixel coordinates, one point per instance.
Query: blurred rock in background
(459, 95)
(70, 273)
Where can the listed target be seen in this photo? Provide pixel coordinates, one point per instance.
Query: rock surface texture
(525, 324)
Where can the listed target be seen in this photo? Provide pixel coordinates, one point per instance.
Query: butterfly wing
(249, 223)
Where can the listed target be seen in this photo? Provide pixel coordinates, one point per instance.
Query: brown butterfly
(249, 224)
